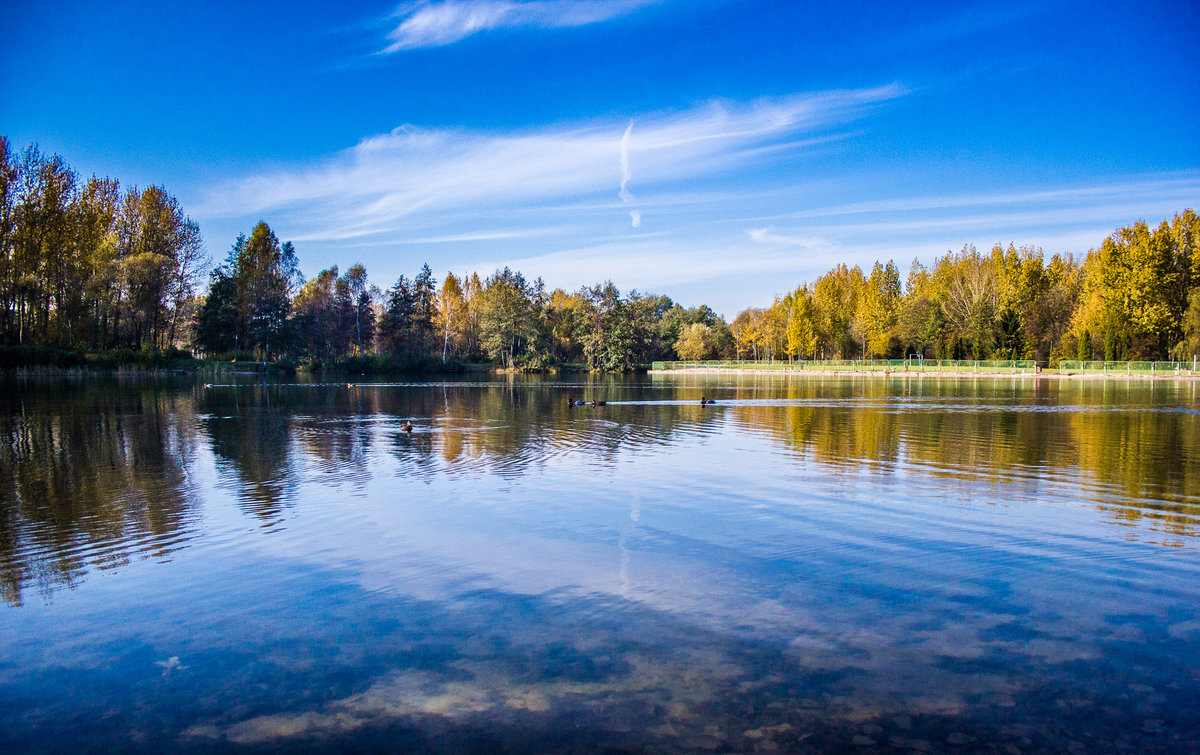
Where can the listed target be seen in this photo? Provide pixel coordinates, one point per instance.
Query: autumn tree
(835, 303)
(1189, 347)
(161, 253)
(672, 320)
(698, 341)
(506, 324)
(801, 325)
(359, 291)
(41, 241)
(878, 308)
(451, 316)
(747, 332)
(567, 318)
(1136, 286)
(9, 191)
(967, 283)
(267, 274)
(323, 317)
(100, 275)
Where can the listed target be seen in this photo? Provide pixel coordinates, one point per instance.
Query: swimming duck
(706, 401)
(407, 427)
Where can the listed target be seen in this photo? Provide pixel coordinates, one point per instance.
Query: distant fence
(1125, 368)
(858, 365)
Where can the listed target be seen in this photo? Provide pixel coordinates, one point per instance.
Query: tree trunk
(171, 331)
(358, 331)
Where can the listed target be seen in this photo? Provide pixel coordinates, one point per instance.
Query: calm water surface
(833, 564)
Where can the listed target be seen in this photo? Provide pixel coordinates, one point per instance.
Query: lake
(816, 564)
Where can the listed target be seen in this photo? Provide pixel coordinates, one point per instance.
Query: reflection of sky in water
(964, 566)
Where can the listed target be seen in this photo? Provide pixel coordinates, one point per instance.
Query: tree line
(1135, 297)
(91, 265)
(88, 263)
(258, 305)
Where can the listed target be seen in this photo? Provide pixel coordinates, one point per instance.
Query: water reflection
(1138, 446)
(250, 433)
(921, 564)
(92, 474)
(91, 477)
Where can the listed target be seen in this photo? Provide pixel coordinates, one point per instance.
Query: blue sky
(718, 151)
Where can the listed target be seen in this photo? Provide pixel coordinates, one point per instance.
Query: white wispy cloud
(1134, 189)
(436, 24)
(651, 263)
(398, 182)
(747, 198)
(1066, 219)
(768, 235)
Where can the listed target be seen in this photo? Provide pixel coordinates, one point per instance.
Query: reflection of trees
(1123, 437)
(334, 427)
(497, 427)
(89, 476)
(248, 429)
(1146, 454)
(93, 473)
(508, 429)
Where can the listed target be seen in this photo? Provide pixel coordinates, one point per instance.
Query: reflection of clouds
(626, 531)
(433, 547)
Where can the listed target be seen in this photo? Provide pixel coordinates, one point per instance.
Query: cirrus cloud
(398, 182)
(429, 24)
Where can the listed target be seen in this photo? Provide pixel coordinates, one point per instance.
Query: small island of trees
(91, 266)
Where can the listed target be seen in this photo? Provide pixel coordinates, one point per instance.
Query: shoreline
(1022, 375)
